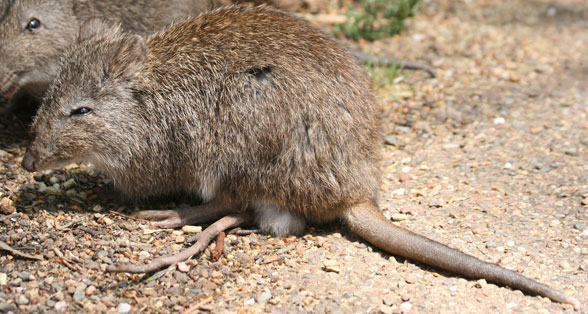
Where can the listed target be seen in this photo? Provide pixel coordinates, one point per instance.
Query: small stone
(579, 225)
(3, 279)
(180, 239)
(191, 229)
(499, 120)
(22, 300)
(404, 177)
(510, 243)
(391, 140)
(386, 309)
(264, 297)
(79, 295)
(406, 307)
(123, 308)
(390, 300)
(481, 284)
(183, 267)
(399, 217)
(97, 209)
(60, 305)
(249, 302)
(405, 298)
(144, 255)
(25, 275)
(585, 201)
(107, 221)
(6, 206)
(490, 245)
(7, 307)
(90, 290)
(554, 223)
(331, 266)
(54, 180)
(68, 184)
(216, 274)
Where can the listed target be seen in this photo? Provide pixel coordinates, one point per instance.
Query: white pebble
(499, 120)
(60, 305)
(406, 169)
(510, 243)
(249, 302)
(508, 165)
(123, 308)
(3, 279)
(400, 191)
(511, 305)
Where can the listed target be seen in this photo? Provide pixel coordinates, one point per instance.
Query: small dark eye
(80, 111)
(33, 24)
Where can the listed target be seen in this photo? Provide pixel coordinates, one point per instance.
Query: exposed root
(205, 237)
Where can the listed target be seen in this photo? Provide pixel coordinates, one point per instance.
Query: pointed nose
(29, 161)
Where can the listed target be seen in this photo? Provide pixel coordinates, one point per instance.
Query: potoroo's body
(240, 106)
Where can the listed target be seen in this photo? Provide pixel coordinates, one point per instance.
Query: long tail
(368, 222)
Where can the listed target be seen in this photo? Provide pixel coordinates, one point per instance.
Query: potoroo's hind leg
(209, 212)
(367, 221)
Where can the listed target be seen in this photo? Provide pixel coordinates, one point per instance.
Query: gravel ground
(489, 158)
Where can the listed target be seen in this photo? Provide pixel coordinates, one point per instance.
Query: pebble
(499, 120)
(3, 279)
(384, 309)
(79, 295)
(331, 266)
(60, 305)
(6, 206)
(145, 254)
(264, 297)
(510, 243)
(97, 209)
(183, 267)
(90, 290)
(406, 307)
(391, 140)
(7, 307)
(390, 300)
(585, 201)
(191, 229)
(399, 217)
(22, 300)
(123, 308)
(579, 225)
(69, 184)
(249, 302)
(25, 275)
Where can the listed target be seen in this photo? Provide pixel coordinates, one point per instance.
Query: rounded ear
(129, 56)
(94, 27)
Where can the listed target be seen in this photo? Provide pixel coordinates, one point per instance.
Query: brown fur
(242, 105)
(29, 59)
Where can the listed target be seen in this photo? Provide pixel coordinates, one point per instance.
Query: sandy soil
(490, 158)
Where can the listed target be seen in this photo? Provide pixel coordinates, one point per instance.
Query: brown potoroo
(247, 108)
(35, 33)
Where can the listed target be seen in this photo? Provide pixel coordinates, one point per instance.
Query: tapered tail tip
(574, 302)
